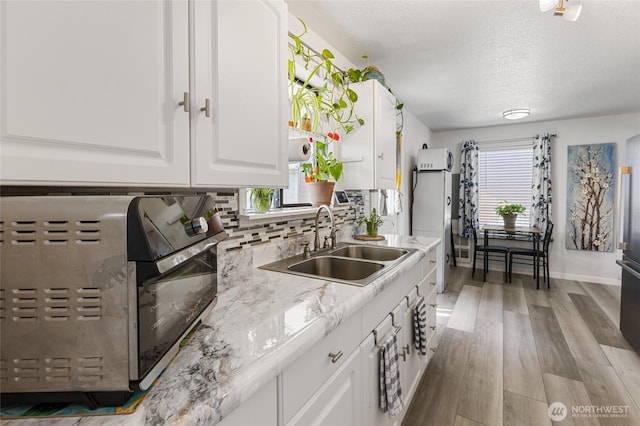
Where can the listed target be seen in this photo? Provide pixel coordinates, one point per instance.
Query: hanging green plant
(331, 100)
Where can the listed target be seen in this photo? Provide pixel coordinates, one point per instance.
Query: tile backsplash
(253, 244)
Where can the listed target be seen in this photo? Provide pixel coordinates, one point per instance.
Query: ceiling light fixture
(516, 114)
(570, 13)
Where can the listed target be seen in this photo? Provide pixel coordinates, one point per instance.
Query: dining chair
(542, 254)
(481, 248)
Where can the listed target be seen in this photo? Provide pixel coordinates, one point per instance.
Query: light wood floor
(507, 351)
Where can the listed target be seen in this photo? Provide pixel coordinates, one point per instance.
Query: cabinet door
(260, 409)
(369, 152)
(372, 416)
(239, 54)
(338, 401)
(385, 138)
(90, 93)
(411, 370)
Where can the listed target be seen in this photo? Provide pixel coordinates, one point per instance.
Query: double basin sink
(355, 264)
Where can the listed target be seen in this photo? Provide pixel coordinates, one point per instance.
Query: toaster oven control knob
(196, 226)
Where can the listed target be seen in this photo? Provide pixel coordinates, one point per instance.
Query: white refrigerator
(431, 215)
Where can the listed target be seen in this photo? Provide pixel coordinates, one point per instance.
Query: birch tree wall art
(590, 193)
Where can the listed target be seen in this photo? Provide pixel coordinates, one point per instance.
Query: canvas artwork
(590, 194)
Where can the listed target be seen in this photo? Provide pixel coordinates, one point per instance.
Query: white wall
(415, 134)
(567, 264)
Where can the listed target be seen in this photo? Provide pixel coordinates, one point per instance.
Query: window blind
(504, 174)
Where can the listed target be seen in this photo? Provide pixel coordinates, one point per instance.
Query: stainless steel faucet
(332, 236)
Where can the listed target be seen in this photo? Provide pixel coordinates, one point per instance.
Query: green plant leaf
(353, 96)
(342, 103)
(361, 121)
(354, 75)
(326, 53)
(336, 171)
(399, 106)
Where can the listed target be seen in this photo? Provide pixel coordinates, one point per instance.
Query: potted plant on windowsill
(509, 213)
(261, 199)
(318, 173)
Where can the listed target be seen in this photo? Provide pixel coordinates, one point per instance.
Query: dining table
(510, 233)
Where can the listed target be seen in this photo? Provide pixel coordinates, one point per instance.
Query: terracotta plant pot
(320, 193)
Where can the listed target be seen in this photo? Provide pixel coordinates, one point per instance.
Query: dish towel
(420, 326)
(390, 390)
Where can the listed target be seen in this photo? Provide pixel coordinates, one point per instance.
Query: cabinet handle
(407, 348)
(434, 349)
(432, 261)
(433, 327)
(381, 156)
(433, 305)
(404, 356)
(185, 101)
(335, 357)
(206, 108)
(432, 283)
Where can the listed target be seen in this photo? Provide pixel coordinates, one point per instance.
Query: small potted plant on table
(509, 213)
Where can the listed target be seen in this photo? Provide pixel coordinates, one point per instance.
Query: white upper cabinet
(369, 151)
(92, 93)
(240, 60)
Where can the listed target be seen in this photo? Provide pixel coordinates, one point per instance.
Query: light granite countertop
(263, 321)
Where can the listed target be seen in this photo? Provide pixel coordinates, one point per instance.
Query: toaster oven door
(168, 308)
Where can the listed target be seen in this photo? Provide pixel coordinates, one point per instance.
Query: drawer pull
(335, 357)
(432, 283)
(433, 305)
(433, 327)
(406, 348)
(434, 349)
(432, 261)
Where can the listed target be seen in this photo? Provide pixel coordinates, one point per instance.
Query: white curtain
(541, 183)
(468, 198)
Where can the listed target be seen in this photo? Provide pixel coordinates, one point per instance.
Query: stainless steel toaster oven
(97, 292)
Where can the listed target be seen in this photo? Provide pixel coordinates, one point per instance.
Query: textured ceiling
(459, 64)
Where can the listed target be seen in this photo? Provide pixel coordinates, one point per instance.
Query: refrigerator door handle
(626, 266)
(622, 240)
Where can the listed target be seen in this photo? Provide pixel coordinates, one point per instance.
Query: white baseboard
(562, 276)
(586, 278)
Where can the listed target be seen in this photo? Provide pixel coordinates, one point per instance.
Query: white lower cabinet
(260, 409)
(371, 414)
(339, 400)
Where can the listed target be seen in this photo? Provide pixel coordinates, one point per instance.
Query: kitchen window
(504, 173)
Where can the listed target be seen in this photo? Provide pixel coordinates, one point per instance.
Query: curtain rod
(553, 135)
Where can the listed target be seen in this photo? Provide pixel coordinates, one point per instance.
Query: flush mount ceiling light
(516, 114)
(570, 13)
